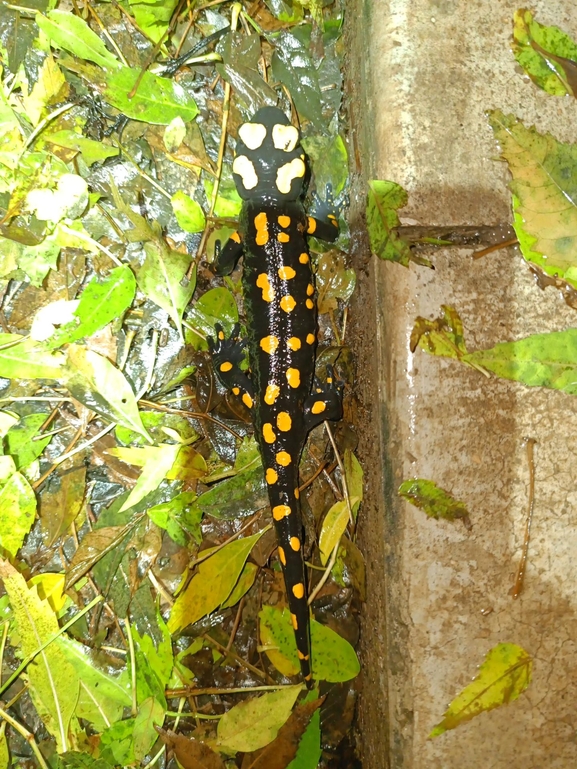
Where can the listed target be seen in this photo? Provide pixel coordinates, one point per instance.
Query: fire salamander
(286, 398)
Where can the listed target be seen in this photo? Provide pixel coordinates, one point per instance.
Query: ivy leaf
(502, 678)
(212, 584)
(544, 190)
(547, 54)
(100, 386)
(254, 723)
(432, 500)
(384, 199)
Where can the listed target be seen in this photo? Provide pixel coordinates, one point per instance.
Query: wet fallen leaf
(547, 54)
(62, 501)
(333, 281)
(334, 526)
(92, 548)
(383, 201)
(502, 678)
(432, 500)
(17, 507)
(280, 752)
(212, 584)
(254, 723)
(190, 753)
(544, 195)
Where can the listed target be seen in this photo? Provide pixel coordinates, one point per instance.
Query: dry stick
(236, 624)
(28, 736)
(518, 586)
(132, 664)
(194, 414)
(107, 34)
(173, 693)
(235, 657)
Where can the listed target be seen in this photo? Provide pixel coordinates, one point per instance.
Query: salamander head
(270, 163)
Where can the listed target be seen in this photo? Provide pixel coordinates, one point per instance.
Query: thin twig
(520, 578)
(28, 736)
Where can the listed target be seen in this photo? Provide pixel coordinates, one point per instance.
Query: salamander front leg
(323, 222)
(326, 401)
(225, 259)
(227, 355)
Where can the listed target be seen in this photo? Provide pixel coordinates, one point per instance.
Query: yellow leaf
(503, 677)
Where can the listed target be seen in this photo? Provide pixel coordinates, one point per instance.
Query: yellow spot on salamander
(294, 621)
(310, 304)
(236, 390)
(261, 224)
(271, 394)
(252, 135)
(281, 555)
(286, 273)
(269, 344)
(302, 656)
(284, 176)
(284, 137)
(294, 343)
(304, 258)
(284, 221)
(310, 289)
(312, 225)
(283, 458)
(226, 366)
(271, 476)
(318, 407)
(284, 421)
(311, 338)
(287, 303)
(283, 237)
(297, 492)
(247, 400)
(236, 237)
(280, 511)
(295, 544)
(245, 169)
(263, 283)
(299, 590)
(293, 376)
(268, 433)
(221, 335)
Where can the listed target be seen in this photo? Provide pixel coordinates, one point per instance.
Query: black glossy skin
(278, 287)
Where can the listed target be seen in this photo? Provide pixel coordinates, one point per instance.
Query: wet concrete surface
(422, 74)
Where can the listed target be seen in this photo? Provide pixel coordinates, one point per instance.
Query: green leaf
(116, 743)
(309, 750)
(150, 714)
(333, 281)
(189, 214)
(28, 359)
(96, 383)
(547, 54)
(441, 336)
(384, 199)
(154, 471)
(244, 584)
(17, 513)
(228, 201)
(236, 497)
(100, 303)
(333, 658)
(92, 151)
(334, 526)
(103, 695)
(217, 305)
(153, 17)
(157, 100)
(330, 162)
(292, 66)
(162, 278)
(254, 723)
(502, 678)
(355, 480)
(432, 500)
(545, 195)
(53, 683)
(68, 31)
(19, 441)
(74, 760)
(212, 584)
(177, 518)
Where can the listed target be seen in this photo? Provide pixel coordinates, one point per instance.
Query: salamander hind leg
(325, 402)
(227, 355)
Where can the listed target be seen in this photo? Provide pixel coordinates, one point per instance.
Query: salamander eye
(252, 135)
(285, 137)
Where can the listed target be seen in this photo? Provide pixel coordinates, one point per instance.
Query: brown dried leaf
(280, 752)
(190, 753)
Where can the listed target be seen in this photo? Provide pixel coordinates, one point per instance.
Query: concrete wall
(421, 75)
